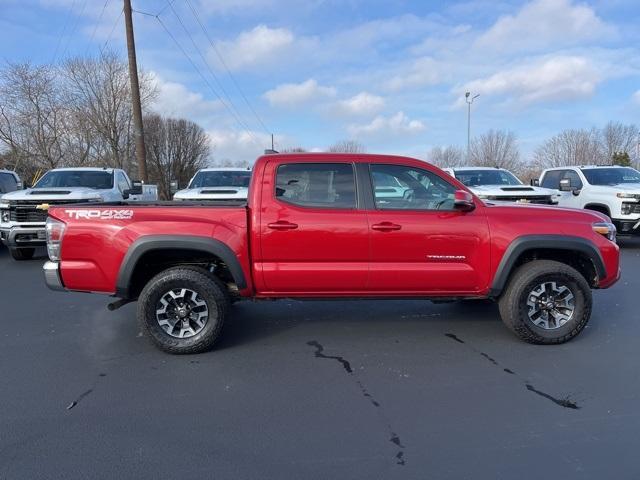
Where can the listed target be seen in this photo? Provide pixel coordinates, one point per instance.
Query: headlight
(605, 229)
(627, 195)
(5, 216)
(55, 231)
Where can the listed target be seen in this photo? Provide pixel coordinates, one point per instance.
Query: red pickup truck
(334, 226)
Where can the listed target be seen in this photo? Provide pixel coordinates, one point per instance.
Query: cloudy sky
(391, 74)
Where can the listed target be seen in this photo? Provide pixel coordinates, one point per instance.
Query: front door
(419, 242)
(313, 238)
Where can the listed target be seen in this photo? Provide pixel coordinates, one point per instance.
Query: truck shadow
(629, 243)
(250, 322)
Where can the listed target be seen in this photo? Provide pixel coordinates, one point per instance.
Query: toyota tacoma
(327, 226)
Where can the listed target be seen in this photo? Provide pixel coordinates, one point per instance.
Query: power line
(113, 29)
(95, 28)
(181, 48)
(73, 29)
(64, 28)
(224, 64)
(215, 77)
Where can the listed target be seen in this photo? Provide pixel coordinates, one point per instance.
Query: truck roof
(586, 166)
(339, 157)
(462, 169)
(84, 169)
(225, 169)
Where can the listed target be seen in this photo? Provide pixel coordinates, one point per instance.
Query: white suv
(612, 190)
(500, 185)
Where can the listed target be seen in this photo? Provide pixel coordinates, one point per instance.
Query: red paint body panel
(329, 253)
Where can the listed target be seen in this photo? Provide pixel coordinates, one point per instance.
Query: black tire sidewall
(576, 321)
(206, 289)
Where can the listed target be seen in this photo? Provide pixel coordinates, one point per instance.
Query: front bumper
(52, 276)
(17, 237)
(627, 227)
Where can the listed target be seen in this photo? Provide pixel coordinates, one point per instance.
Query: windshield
(231, 178)
(475, 178)
(102, 180)
(611, 176)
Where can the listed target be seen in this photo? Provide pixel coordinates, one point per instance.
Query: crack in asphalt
(562, 402)
(393, 437)
(80, 397)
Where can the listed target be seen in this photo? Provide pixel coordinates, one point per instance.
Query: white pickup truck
(23, 213)
(612, 190)
(500, 185)
(217, 184)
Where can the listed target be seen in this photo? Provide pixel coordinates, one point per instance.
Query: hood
(212, 193)
(620, 188)
(511, 190)
(549, 211)
(53, 194)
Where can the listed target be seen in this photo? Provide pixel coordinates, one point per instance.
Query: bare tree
(99, 92)
(34, 120)
(228, 163)
(617, 139)
(496, 148)
(449, 156)
(347, 146)
(570, 147)
(176, 149)
(293, 150)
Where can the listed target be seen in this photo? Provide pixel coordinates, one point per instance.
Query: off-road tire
(21, 254)
(513, 302)
(208, 287)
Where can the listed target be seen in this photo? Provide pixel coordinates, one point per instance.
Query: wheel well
(598, 208)
(578, 260)
(155, 261)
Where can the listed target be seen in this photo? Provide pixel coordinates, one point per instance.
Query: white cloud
(398, 124)
(241, 146)
(544, 23)
(424, 71)
(549, 79)
(363, 103)
(294, 94)
(255, 47)
(636, 97)
(176, 100)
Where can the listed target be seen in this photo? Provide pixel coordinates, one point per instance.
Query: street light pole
(469, 102)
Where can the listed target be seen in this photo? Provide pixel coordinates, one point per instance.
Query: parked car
(612, 190)
(314, 226)
(217, 184)
(499, 184)
(23, 213)
(9, 182)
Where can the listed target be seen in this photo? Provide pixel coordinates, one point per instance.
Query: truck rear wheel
(182, 309)
(22, 253)
(546, 302)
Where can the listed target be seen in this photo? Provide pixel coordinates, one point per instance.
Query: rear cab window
(317, 185)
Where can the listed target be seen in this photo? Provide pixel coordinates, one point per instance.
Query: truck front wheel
(546, 302)
(22, 253)
(182, 309)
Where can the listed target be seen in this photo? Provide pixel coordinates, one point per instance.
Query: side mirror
(463, 201)
(173, 186)
(19, 186)
(565, 185)
(534, 182)
(136, 189)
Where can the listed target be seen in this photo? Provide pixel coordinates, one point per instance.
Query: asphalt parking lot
(325, 390)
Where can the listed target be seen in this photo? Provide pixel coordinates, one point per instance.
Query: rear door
(419, 242)
(313, 238)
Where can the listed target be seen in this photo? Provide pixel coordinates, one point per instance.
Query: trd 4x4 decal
(100, 214)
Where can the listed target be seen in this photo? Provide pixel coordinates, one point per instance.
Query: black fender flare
(548, 242)
(589, 206)
(183, 242)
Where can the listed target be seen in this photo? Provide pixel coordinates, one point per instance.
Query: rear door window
(323, 185)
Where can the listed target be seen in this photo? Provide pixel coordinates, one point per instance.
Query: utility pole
(469, 102)
(138, 131)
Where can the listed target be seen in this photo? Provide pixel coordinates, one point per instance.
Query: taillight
(55, 231)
